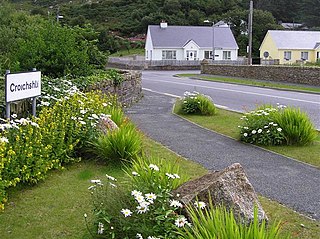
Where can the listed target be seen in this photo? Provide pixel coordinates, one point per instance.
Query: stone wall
(287, 74)
(128, 92)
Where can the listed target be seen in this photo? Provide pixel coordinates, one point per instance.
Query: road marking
(238, 91)
(176, 96)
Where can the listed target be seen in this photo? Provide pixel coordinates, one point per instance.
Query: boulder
(229, 187)
(106, 124)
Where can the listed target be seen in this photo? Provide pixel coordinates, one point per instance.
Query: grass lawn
(243, 81)
(226, 122)
(54, 208)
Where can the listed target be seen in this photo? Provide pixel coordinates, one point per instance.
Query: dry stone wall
(128, 92)
(287, 74)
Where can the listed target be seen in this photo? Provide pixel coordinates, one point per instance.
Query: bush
(123, 143)
(196, 103)
(115, 76)
(268, 125)
(31, 147)
(296, 125)
(259, 127)
(143, 208)
(217, 222)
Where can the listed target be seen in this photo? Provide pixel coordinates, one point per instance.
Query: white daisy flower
(181, 221)
(110, 177)
(175, 203)
(126, 212)
(154, 167)
(136, 193)
(202, 205)
(100, 228)
(150, 196)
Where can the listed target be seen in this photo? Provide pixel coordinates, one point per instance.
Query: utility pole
(250, 33)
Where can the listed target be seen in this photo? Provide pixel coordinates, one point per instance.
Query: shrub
(151, 178)
(115, 76)
(296, 125)
(133, 212)
(259, 127)
(268, 125)
(31, 147)
(196, 103)
(217, 222)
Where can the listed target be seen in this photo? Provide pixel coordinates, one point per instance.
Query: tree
(262, 22)
(310, 12)
(32, 41)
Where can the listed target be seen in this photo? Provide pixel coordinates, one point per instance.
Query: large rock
(229, 187)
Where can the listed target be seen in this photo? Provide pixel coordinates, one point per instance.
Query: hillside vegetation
(117, 20)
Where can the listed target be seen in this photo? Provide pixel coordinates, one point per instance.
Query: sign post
(7, 103)
(22, 86)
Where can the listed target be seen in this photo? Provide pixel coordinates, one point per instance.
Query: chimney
(163, 25)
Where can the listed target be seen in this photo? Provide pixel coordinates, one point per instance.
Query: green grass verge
(226, 122)
(54, 208)
(253, 82)
(136, 51)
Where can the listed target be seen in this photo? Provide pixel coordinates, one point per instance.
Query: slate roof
(178, 36)
(295, 39)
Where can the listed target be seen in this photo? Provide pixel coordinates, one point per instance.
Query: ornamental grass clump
(296, 126)
(219, 223)
(140, 208)
(123, 143)
(195, 103)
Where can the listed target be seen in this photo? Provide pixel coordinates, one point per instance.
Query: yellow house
(291, 46)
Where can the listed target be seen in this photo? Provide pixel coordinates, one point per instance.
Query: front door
(191, 55)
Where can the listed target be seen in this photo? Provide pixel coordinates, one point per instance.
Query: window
(287, 55)
(207, 54)
(304, 55)
(318, 55)
(226, 55)
(169, 55)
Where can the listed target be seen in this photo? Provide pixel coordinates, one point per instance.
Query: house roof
(177, 36)
(293, 25)
(295, 39)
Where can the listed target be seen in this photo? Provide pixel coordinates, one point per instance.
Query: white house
(190, 43)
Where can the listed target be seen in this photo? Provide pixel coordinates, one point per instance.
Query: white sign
(23, 85)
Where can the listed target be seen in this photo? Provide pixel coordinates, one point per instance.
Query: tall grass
(218, 223)
(296, 125)
(124, 143)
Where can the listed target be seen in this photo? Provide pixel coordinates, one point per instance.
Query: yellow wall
(296, 56)
(274, 53)
(269, 46)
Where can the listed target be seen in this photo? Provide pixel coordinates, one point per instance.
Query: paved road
(235, 97)
(292, 183)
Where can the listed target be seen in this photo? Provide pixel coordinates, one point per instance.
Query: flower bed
(31, 147)
(269, 125)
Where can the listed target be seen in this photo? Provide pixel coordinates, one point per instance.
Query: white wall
(148, 47)
(181, 53)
